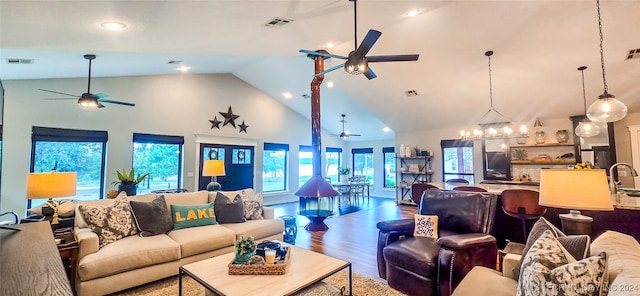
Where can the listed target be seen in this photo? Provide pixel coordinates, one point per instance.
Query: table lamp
(213, 168)
(576, 190)
(51, 185)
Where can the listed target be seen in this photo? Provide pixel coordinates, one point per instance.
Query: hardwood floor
(352, 234)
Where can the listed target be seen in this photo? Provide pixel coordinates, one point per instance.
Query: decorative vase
(562, 136)
(540, 137)
(243, 258)
(402, 150)
(344, 178)
(407, 151)
(130, 189)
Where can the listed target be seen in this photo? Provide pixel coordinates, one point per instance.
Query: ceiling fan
(88, 100)
(344, 135)
(357, 62)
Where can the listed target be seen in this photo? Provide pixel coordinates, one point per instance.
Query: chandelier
(491, 130)
(607, 108)
(586, 128)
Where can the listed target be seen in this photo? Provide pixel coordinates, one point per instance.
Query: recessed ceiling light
(413, 12)
(287, 95)
(183, 68)
(386, 129)
(330, 84)
(330, 45)
(113, 26)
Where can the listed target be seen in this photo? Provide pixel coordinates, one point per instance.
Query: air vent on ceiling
(19, 61)
(411, 93)
(633, 54)
(306, 96)
(278, 22)
(173, 62)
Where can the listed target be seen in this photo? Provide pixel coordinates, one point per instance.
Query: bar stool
(417, 189)
(522, 204)
(469, 188)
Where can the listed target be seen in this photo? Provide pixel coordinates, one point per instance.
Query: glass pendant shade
(587, 129)
(607, 109)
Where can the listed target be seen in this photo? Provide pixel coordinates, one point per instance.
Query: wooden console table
(30, 262)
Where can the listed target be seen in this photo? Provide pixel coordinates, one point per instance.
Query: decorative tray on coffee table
(257, 265)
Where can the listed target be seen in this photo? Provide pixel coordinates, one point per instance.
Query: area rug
(362, 286)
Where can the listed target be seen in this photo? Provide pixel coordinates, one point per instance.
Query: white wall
(169, 105)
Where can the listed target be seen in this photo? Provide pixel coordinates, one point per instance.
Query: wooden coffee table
(306, 268)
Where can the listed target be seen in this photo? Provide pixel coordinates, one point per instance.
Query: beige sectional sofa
(623, 267)
(135, 260)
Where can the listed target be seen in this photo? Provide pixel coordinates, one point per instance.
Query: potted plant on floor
(344, 174)
(128, 182)
(245, 248)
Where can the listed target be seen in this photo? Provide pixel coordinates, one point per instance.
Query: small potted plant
(127, 182)
(344, 173)
(245, 248)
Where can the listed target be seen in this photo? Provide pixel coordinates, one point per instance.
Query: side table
(68, 249)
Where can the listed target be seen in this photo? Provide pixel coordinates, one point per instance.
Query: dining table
(346, 187)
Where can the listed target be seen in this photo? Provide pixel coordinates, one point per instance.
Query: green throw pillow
(192, 216)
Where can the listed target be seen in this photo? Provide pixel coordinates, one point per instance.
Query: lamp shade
(51, 185)
(607, 109)
(575, 189)
(213, 168)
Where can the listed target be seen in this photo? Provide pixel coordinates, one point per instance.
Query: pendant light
(492, 132)
(586, 128)
(607, 108)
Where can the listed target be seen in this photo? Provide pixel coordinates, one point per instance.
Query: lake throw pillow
(185, 216)
(426, 226)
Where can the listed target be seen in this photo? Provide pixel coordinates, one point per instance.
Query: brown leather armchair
(425, 266)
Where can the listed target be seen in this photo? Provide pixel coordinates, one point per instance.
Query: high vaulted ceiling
(538, 45)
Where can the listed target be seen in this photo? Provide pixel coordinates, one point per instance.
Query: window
(363, 163)
(274, 168)
(457, 160)
(67, 150)
(333, 158)
(389, 166)
(160, 157)
(305, 164)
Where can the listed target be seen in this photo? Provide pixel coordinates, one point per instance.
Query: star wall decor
(243, 127)
(215, 123)
(229, 118)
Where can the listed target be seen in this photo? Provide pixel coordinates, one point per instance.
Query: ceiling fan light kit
(607, 108)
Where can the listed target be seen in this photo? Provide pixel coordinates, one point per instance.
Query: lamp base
(576, 223)
(214, 186)
(54, 206)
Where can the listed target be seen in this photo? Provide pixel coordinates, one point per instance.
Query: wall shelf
(422, 175)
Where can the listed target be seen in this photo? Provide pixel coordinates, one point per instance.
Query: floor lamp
(51, 185)
(576, 190)
(213, 168)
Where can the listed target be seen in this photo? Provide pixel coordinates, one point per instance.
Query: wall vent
(12, 61)
(173, 62)
(633, 54)
(306, 96)
(278, 22)
(411, 93)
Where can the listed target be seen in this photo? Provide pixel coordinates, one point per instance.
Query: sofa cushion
(127, 254)
(187, 198)
(624, 259)
(482, 281)
(79, 221)
(549, 269)
(256, 228)
(202, 239)
(111, 222)
(417, 254)
(425, 226)
(253, 207)
(192, 216)
(229, 211)
(576, 245)
(152, 218)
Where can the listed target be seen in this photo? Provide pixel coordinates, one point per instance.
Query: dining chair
(357, 187)
(457, 181)
(469, 188)
(522, 204)
(417, 189)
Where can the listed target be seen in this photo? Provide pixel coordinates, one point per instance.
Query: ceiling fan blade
(393, 58)
(322, 54)
(355, 135)
(100, 95)
(56, 92)
(330, 69)
(59, 99)
(369, 74)
(116, 102)
(367, 43)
